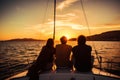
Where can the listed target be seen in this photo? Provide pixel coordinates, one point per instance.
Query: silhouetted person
(82, 55)
(63, 52)
(44, 61)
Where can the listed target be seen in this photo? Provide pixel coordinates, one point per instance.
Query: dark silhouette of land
(24, 39)
(105, 36)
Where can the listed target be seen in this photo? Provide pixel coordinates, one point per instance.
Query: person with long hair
(44, 61)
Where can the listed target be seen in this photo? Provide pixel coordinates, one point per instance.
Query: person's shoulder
(75, 46)
(58, 45)
(54, 48)
(44, 47)
(89, 47)
(69, 45)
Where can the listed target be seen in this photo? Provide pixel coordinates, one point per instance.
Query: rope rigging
(46, 9)
(86, 20)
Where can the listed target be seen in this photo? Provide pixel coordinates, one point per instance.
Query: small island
(24, 39)
(105, 36)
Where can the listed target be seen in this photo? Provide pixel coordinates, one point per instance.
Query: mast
(54, 19)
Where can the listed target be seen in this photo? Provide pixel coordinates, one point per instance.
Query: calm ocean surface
(15, 56)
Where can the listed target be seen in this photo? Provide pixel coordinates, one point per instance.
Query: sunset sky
(34, 18)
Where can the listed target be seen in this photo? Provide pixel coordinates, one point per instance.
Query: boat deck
(67, 75)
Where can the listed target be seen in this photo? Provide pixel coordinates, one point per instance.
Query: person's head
(63, 40)
(81, 40)
(50, 42)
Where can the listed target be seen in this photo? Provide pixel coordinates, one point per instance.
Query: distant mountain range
(105, 36)
(24, 39)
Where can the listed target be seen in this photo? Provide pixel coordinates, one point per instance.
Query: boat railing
(107, 64)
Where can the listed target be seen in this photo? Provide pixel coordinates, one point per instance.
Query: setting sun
(68, 36)
(34, 18)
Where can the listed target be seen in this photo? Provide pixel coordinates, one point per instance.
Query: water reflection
(20, 54)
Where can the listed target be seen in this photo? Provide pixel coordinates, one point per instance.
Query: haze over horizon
(34, 18)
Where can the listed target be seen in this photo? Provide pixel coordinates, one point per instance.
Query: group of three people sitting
(64, 56)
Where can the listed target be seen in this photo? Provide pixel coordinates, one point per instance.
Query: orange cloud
(65, 3)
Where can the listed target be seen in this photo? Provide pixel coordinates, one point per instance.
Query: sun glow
(68, 36)
(34, 19)
(68, 33)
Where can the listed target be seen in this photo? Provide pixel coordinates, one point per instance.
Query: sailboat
(96, 74)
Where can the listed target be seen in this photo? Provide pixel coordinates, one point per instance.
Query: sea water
(16, 56)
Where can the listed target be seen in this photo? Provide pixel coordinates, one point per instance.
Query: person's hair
(63, 39)
(50, 42)
(81, 40)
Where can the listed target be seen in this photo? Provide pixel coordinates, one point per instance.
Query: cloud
(65, 3)
(69, 20)
(67, 17)
(98, 28)
(42, 28)
(40, 31)
(61, 24)
(113, 23)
